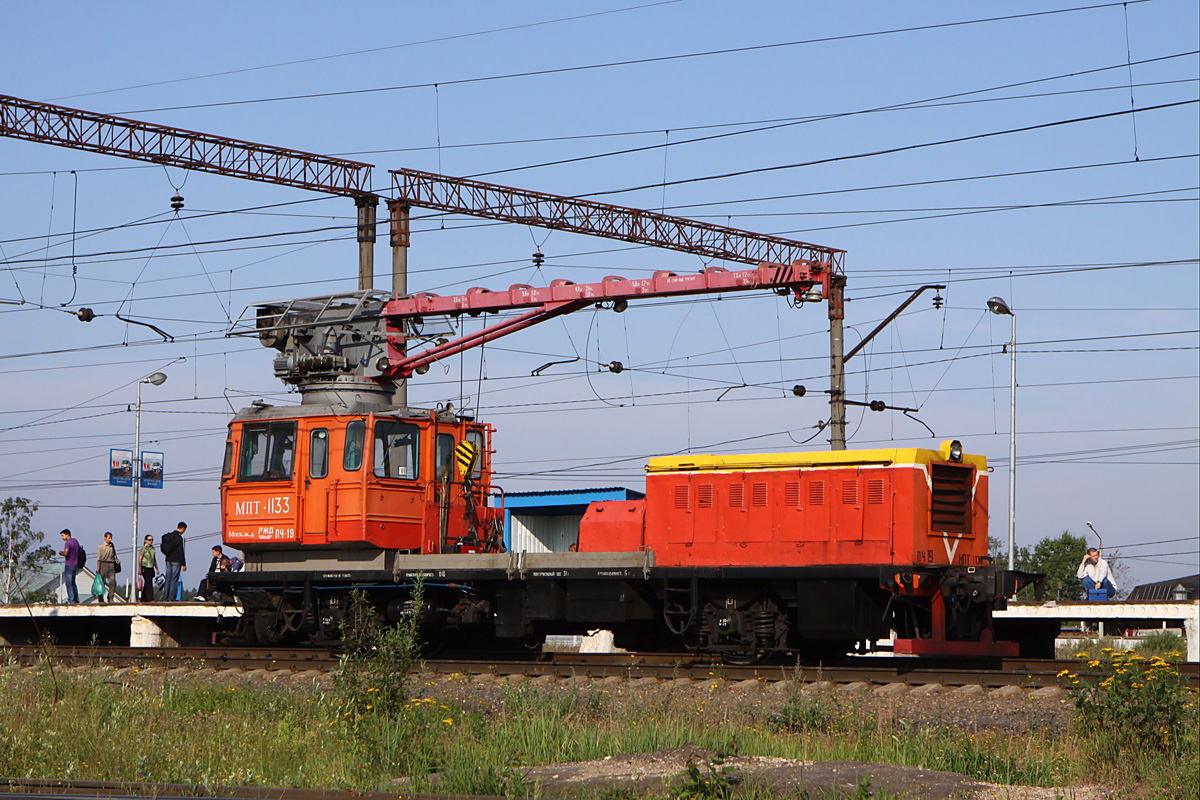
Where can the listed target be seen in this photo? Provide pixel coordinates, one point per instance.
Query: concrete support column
(145, 632)
(366, 241)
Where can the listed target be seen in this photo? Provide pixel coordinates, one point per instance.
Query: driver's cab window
(352, 453)
(395, 449)
(475, 437)
(443, 459)
(267, 452)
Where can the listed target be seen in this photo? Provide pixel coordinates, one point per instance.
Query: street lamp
(157, 379)
(997, 306)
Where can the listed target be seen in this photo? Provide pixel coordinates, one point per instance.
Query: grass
(194, 731)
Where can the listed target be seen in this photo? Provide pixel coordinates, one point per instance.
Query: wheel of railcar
(745, 658)
(268, 627)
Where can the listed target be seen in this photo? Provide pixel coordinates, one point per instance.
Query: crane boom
(161, 144)
(492, 201)
(564, 296)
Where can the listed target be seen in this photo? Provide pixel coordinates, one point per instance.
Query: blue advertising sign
(120, 467)
(152, 470)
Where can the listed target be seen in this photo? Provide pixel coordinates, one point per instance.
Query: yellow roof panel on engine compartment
(810, 460)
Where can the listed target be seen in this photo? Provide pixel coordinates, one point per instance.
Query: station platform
(1115, 618)
(117, 624)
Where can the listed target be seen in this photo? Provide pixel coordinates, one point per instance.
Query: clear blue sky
(1088, 229)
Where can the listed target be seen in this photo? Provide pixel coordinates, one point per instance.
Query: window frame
(273, 430)
(356, 430)
(313, 435)
(476, 437)
(438, 464)
(379, 461)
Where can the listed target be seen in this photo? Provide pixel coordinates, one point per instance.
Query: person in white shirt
(1095, 575)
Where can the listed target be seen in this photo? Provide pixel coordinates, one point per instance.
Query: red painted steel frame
(563, 296)
(161, 144)
(479, 199)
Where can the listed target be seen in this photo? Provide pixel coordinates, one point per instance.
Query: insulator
(937, 300)
(176, 201)
(799, 390)
(615, 367)
(878, 405)
(538, 257)
(85, 315)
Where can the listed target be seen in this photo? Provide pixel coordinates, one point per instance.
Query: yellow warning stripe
(466, 454)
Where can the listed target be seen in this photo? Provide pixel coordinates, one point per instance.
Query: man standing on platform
(106, 563)
(175, 561)
(70, 553)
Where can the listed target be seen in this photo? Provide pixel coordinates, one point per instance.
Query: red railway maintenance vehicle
(739, 556)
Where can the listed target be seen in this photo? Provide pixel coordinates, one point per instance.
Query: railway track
(876, 671)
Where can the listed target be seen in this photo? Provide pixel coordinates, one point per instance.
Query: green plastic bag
(98, 587)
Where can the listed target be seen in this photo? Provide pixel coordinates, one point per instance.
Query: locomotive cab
(359, 485)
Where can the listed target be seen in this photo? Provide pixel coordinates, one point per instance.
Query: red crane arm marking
(563, 297)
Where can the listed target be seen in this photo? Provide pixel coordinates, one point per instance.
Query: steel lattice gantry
(575, 215)
(219, 155)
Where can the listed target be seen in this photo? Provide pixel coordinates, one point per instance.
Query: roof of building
(567, 497)
(1165, 590)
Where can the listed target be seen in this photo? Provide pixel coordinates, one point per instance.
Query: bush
(376, 657)
(1161, 643)
(1134, 716)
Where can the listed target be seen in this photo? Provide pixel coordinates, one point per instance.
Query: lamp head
(158, 379)
(997, 306)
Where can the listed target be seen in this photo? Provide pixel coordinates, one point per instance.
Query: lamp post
(157, 379)
(997, 306)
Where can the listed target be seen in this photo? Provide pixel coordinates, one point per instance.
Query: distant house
(1186, 588)
(47, 584)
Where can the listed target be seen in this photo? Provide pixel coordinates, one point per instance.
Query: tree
(20, 545)
(1058, 558)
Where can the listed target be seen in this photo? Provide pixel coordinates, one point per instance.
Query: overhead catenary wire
(630, 62)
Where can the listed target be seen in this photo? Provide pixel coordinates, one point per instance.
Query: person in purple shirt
(70, 552)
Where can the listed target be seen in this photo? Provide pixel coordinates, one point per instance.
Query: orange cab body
(310, 477)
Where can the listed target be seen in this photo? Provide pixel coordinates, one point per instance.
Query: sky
(1043, 152)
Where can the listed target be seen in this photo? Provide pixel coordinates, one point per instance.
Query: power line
(625, 62)
(917, 105)
(892, 150)
(932, 102)
(368, 51)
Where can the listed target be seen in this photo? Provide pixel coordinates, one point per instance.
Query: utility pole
(837, 363)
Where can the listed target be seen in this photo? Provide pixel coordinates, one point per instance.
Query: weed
(1161, 643)
(706, 780)
(1135, 717)
(811, 713)
(372, 675)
